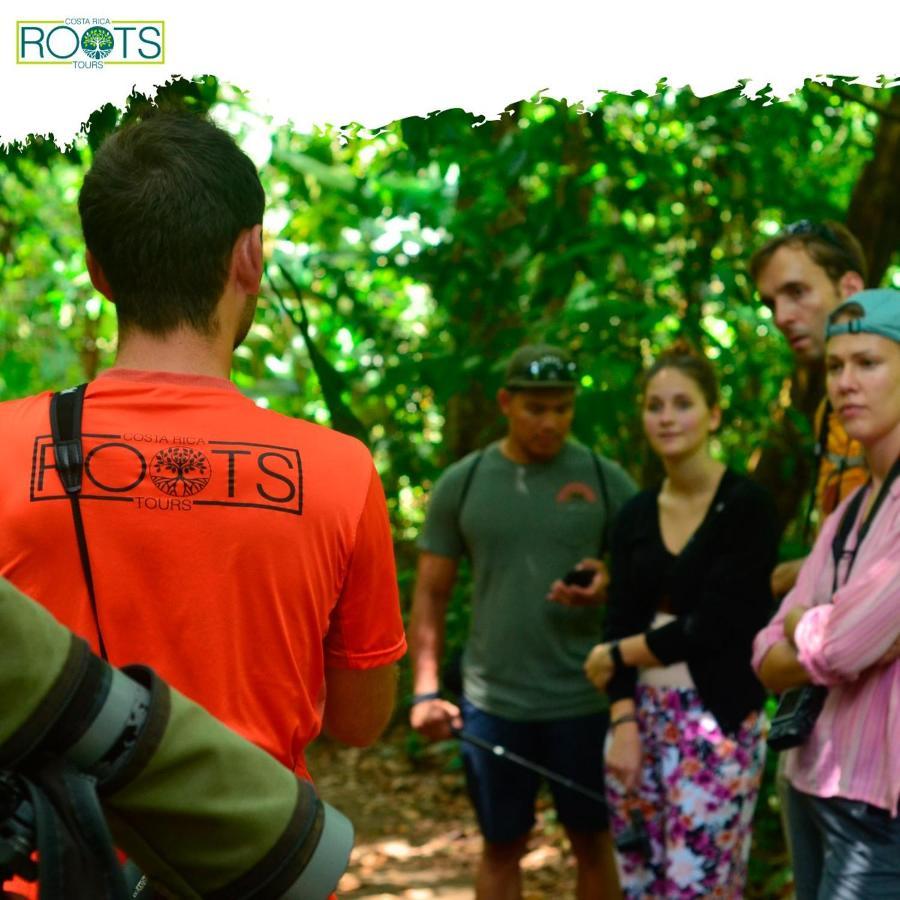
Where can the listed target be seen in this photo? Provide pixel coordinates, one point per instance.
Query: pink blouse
(854, 750)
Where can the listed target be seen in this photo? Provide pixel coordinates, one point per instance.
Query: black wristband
(424, 697)
(621, 720)
(615, 654)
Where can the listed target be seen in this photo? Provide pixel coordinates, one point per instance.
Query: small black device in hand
(796, 716)
(579, 577)
(634, 839)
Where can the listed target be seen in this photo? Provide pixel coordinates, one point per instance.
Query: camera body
(796, 716)
(634, 839)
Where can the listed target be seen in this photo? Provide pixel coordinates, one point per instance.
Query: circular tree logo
(179, 471)
(97, 42)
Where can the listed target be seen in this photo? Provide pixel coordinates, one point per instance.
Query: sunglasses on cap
(550, 368)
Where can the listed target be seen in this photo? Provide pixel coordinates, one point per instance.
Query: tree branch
(330, 380)
(883, 111)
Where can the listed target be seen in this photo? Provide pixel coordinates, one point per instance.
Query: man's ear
(98, 276)
(503, 400)
(247, 260)
(850, 283)
(715, 418)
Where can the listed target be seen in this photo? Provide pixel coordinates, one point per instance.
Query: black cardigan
(717, 587)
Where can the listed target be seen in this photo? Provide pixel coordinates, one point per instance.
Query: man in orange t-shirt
(245, 555)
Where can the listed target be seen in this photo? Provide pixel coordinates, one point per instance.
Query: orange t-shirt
(235, 550)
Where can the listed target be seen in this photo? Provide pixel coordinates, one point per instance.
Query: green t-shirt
(524, 526)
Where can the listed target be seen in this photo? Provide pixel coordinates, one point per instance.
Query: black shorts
(503, 793)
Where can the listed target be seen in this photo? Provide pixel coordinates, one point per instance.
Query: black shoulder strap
(607, 509)
(65, 424)
(845, 526)
(479, 455)
(851, 512)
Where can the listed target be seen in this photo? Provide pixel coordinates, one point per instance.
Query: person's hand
(623, 755)
(891, 654)
(435, 719)
(599, 666)
(784, 576)
(592, 595)
(792, 620)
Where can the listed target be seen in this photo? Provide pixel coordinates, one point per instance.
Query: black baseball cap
(540, 367)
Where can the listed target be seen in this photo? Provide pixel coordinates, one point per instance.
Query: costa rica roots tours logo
(90, 43)
(180, 471)
(97, 42)
(176, 473)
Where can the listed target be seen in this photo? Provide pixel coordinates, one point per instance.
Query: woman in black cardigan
(691, 561)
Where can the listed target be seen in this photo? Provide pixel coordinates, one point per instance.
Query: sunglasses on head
(550, 368)
(804, 227)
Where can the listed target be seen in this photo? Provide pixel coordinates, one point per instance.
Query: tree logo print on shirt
(97, 42)
(180, 471)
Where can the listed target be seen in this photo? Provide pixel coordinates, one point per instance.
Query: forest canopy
(406, 262)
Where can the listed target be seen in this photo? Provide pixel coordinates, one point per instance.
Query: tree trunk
(874, 214)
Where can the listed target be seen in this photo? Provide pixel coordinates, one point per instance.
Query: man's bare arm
(435, 578)
(359, 703)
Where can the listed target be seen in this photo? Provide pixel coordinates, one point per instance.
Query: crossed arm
(829, 643)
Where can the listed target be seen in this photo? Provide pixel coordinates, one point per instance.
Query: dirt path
(416, 837)
(415, 833)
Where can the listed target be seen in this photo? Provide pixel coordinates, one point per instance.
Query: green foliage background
(406, 262)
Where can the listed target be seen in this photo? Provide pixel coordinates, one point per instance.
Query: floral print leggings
(697, 793)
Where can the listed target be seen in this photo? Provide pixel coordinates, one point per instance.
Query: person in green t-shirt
(526, 510)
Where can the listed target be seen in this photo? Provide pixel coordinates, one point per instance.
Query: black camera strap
(57, 813)
(65, 424)
(848, 519)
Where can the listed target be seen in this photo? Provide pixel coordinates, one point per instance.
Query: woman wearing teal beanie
(834, 645)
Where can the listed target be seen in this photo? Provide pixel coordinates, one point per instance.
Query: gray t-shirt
(524, 526)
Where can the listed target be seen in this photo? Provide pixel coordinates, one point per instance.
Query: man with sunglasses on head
(803, 274)
(525, 510)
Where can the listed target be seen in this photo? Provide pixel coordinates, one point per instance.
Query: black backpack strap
(479, 455)
(607, 509)
(65, 425)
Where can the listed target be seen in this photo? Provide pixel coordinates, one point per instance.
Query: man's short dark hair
(829, 244)
(161, 208)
